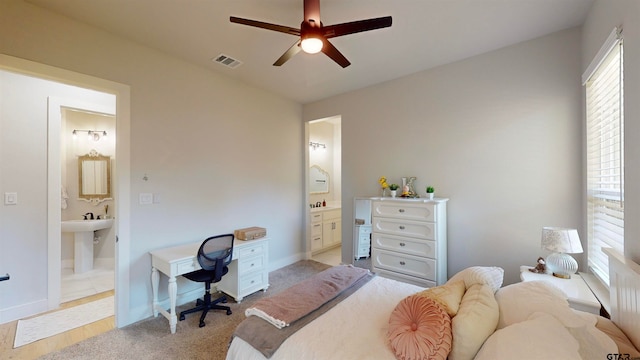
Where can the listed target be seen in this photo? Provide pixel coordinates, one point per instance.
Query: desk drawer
(252, 282)
(252, 250)
(250, 264)
(187, 266)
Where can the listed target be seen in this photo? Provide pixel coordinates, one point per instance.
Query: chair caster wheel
(202, 324)
(229, 312)
(181, 317)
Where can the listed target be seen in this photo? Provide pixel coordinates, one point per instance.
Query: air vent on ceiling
(227, 61)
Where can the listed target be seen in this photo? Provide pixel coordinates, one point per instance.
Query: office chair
(213, 255)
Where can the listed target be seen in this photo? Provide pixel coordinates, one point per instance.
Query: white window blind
(605, 155)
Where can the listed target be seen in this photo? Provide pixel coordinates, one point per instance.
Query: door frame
(121, 176)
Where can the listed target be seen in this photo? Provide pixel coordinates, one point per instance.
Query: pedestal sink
(83, 238)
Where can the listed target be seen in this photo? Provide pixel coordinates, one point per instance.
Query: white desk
(577, 291)
(248, 272)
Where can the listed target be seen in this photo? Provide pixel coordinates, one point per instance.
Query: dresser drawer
(418, 229)
(250, 264)
(423, 268)
(404, 210)
(252, 250)
(426, 248)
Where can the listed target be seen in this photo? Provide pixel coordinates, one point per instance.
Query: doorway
(48, 297)
(324, 167)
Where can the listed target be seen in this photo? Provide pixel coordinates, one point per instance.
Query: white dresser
(409, 240)
(250, 272)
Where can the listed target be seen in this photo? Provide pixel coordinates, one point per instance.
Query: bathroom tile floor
(75, 286)
(331, 257)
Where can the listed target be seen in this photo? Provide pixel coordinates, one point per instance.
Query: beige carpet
(50, 324)
(151, 338)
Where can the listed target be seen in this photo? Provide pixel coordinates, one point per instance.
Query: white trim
(613, 39)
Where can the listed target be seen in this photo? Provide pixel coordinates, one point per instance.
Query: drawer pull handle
(402, 244)
(401, 210)
(252, 264)
(401, 227)
(402, 263)
(252, 250)
(252, 281)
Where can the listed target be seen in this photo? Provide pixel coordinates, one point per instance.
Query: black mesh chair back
(214, 255)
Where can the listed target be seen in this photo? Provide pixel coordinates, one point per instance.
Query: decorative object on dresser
(561, 241)
(383, 184)
(409, 240)
(393, 188)
(430, 192)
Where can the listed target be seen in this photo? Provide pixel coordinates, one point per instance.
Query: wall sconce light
(91, 134)
(316, 145)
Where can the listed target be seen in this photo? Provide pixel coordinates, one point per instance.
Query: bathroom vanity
(325, 228)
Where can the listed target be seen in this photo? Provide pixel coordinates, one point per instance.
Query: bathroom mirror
(94, 177)
(318, 180)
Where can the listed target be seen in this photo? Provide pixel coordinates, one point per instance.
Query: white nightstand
(578, 293)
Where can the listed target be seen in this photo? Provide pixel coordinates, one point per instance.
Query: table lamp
(561, 242)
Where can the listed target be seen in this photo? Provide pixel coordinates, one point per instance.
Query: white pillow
(518, 301)
(541, 337)
(489, 275)
(475, 321)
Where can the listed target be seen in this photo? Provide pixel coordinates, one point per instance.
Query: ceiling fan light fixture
(311, 45)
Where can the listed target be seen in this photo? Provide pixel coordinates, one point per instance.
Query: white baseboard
(275, 265)
(22, 311)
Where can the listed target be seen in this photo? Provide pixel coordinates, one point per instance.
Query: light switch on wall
(11, 198)
(146, 198)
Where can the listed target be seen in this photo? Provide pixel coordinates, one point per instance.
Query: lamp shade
(561, 240)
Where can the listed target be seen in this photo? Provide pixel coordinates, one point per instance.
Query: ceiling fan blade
(353, 27)
(294, 49)
(264, 25)
(332, 52)
(312, 11)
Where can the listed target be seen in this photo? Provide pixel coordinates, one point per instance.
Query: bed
(472, 316)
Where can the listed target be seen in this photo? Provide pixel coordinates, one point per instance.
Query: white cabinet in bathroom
(331, 228)
(325, 229)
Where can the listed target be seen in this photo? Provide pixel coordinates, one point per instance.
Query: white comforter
(320, 340)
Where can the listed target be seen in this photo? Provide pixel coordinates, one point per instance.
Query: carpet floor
(152, 339)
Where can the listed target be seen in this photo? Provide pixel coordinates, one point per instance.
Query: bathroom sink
(86, 225)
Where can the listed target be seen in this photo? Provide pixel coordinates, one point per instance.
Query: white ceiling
(424, 34)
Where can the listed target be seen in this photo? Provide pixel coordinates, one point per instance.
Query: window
(605, 154)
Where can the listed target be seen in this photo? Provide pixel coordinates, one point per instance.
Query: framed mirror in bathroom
(318, 180)
(94, 177)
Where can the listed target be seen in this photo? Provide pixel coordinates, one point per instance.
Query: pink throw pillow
(420, 328)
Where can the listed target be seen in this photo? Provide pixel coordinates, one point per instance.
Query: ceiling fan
(314, 37)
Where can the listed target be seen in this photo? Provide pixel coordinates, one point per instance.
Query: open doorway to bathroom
(88, 142)
(325, 190)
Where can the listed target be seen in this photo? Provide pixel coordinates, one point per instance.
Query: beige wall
(218, 154)
(498, 134)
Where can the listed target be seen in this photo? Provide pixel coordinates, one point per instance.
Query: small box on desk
(250, 233)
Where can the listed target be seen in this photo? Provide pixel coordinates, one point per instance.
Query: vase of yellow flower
(383, 184)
